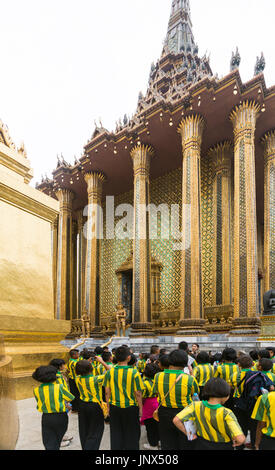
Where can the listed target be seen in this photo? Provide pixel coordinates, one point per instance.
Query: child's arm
(260, 426)
(179, 424)
(138, 395)
(106, 366)
(107, 398)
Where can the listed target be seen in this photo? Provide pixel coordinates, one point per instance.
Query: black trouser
(267, 443)
(152, 429)
(230, 403)
(90, 425)
(246, 423)
(171, 437)
(203, 444)
(54, 427)
(124, 428)
(74, 390)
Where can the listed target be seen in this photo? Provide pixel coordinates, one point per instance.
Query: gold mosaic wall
(165, 189)
(207, 229)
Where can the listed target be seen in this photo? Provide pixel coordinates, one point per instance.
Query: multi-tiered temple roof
(180, 82)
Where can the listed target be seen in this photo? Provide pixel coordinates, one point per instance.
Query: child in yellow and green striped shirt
(216, 427)
(264, 413)
(90, 415)
(203, 371)
(52, 399)
(123, 388)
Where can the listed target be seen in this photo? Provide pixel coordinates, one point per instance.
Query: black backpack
(253, 383)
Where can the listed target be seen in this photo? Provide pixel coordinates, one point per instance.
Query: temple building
(199, 150)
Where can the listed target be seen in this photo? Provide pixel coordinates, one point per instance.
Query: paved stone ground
(30, 429)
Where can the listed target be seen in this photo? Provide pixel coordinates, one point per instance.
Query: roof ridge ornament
(235, 60)
(260, 65)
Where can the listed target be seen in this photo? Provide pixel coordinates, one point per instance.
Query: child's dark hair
(106, 356)
(45, 374)
(229, 354)
(254, 354)
(183, 346)
(216, 388)
(266, 364)
(83, 368)
(245, 361)
(151, 370)
(164, 361)
(264, 353)
(122, 353)
(203, 358)
(87, 354)
(178, 358)
(216, 357)
(133, 360)
(98, 351)
(57, 363)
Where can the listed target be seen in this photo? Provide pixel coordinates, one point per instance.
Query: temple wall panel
(166, 190)
(25, 264)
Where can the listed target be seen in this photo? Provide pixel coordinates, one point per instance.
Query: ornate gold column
(246, 305)
(222, 159)
(191, 315)
(93, 234)
(64, 271)
(74, 269)
(54, 258)
(142, 302)
(269, 210)
(81, 251)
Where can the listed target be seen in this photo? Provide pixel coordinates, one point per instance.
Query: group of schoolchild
(186, 399)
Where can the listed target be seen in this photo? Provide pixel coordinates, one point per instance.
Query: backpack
(253, 383)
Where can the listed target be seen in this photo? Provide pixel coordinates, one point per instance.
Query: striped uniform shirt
(202, 373)
(141, 365)
(214, 423)
(264, 410)
(60, 379)
(123, 382)
(148, 391)
(255, 367)
(226, 370)
(71, 368)
(238, 381)
(181, 394)
(51, 397)
(270, 375)
(98, 369)
(90, 387)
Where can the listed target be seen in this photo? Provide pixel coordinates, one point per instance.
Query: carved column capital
(191, 129)
(221, 155)
(268, 141)
(141, 156)
(65, 198)
(94, 182)
(244, 117)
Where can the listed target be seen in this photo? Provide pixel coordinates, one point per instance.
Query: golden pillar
(191, 314)
(64, 294)
(246, 305)
(142, 302)
(269, 210)
(222, 159)
(81, 258)
(54, 227)
(93, 235)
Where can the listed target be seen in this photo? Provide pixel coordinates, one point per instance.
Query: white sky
(65, 63)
